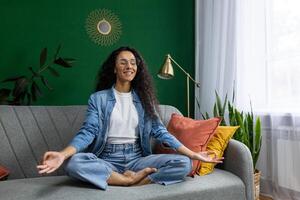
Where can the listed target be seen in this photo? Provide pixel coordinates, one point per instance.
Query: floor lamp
(167, 72)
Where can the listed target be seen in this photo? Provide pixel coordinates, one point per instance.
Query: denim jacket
(92, 136)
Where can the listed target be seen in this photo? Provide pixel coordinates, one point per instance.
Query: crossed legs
(163, 169)
(88, 167)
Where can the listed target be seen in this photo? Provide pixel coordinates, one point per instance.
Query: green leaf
(4, 94)
(219, 105)
(20, 86)
(69, 60)
(62, 63)
(224, 105)
(35, 91)
(223, 122)
(46, 83)
(233, 96)
(12, 79)
(246, 134)
(258, 141)
(57, 51)
(231, 115)
(233, 93)
(33, 72)
(53, 71)
(38, 90)
(22, 97)
(207, 115)
(257, 133)
(28, 98)
(216, 113)
(239, 119)
(43, 57)
(250, 128)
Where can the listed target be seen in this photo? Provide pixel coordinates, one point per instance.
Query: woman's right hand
(52, 160)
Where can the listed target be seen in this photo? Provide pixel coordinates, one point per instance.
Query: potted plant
(26, 89)
(249, 132)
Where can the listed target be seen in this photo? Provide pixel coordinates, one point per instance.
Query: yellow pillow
(218, 144)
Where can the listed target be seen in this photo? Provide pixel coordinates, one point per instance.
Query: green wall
(154, 27)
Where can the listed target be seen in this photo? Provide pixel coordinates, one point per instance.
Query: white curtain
(215, 44)
(233, 46)
(279, 159)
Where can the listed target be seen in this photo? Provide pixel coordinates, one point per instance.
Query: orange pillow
(194, 134)
(3, 173)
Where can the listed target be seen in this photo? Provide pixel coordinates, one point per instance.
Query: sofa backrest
(27, 132)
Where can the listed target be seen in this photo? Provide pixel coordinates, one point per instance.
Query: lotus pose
(113, 145)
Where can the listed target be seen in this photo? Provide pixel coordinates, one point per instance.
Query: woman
(113, 145)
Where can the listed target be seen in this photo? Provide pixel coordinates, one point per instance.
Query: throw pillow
(218, 144)
(3, 173)
(194, 134)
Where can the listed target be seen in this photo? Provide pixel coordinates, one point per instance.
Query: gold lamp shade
(166, 71)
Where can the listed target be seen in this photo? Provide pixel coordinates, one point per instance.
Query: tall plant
(26, 89)
(249, 132)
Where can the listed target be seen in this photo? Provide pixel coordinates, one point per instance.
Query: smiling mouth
(128, 72)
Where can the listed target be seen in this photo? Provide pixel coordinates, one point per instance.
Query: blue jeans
(87, 167)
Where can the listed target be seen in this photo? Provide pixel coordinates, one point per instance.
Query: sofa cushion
(217, 185)
(218, 144)
(194, 134)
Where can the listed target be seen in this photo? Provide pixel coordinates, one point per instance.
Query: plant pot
(257, 174)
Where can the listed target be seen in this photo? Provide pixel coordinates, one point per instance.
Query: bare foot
(144, 181)
(136, 177)
(129, 173)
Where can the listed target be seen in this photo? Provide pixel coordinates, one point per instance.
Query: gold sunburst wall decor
(103, 27)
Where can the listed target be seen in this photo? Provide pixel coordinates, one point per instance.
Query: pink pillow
(194, 134)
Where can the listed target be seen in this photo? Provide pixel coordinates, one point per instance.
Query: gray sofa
(26, 132)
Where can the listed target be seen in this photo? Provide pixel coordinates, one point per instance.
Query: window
(268, 55)
(283, 54)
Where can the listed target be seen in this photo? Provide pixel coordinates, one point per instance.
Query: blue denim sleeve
(160, 132)
(89, 129)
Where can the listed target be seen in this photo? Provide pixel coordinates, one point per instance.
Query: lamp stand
(166, 72)
(188, 95)
(188, 78)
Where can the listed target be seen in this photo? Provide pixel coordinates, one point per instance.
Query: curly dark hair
(142, 82)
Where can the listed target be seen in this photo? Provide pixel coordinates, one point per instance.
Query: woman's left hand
(207, 156)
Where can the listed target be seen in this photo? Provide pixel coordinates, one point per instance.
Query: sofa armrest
(238, 160)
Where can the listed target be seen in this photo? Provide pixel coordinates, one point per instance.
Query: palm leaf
(4, 94)
(35, 91)
(61, 62)
(57, 51)
(20, 86)
(43, 57)
(46, 83)
(53, 71)
(12, 79)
